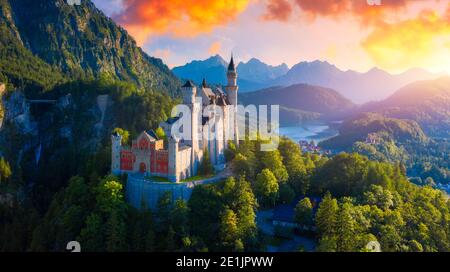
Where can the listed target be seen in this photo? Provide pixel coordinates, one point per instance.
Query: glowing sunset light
(395, 36)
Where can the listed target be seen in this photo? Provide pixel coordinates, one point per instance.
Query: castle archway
(142, 168)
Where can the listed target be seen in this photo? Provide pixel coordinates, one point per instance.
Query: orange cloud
(181, 18)
(162, 53)
(394, 44)
(215, 48)
(280, 10)
(415, 42)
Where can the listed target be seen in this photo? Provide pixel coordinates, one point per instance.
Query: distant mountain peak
(255, 61)
(314, 64)
(377, 71)
(252, 74)
(212, 61)
(217, 58)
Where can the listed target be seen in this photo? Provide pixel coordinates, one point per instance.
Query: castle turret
(232, 94)
(232, 87)
(190, 99)
(189, 92)
(116, 147)
(173, 164)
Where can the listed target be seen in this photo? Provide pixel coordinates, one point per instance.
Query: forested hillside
(394, 140)
(46, 42)
(426, 102)
(375, 127)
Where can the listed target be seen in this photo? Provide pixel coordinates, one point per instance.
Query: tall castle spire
(232, 94)
(232, 73)
(231, 66)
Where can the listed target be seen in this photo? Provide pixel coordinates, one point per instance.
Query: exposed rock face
(2, 113)
(36, 133)
(17, 111)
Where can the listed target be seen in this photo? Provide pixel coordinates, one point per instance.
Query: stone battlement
(142, 190)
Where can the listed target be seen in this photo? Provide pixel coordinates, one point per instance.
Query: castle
(180, 160)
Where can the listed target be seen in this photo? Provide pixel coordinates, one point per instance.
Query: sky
(352, 34)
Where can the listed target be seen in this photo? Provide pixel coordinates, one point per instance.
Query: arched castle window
(142, 168)
(143, 144)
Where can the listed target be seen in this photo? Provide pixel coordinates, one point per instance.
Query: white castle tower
(173, 165)
(189, 98)
(116, 147)
(232, 92)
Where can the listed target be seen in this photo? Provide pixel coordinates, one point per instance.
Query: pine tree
(92, 237)
(345, 229)
(180, 218)
(171, 244)
(115, 233)
(5, 170)
(150, 240)
(326, 216)
(303, 212)
(228, 229)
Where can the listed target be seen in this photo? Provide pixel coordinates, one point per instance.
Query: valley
(309, 131)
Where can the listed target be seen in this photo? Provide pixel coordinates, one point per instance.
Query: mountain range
(373, 85)
(253, 75)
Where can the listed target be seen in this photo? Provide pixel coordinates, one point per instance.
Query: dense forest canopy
(389, 139)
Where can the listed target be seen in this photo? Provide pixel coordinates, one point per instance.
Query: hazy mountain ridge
(308, 101)
(373, 85)
(427, 102)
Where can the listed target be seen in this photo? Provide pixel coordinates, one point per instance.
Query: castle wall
(184, 163)
(219, 140)
(142, 161)
(116, 147)
(126, 160)
(139, 190)
(161, 162)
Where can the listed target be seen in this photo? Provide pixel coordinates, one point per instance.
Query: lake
(309, 131)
